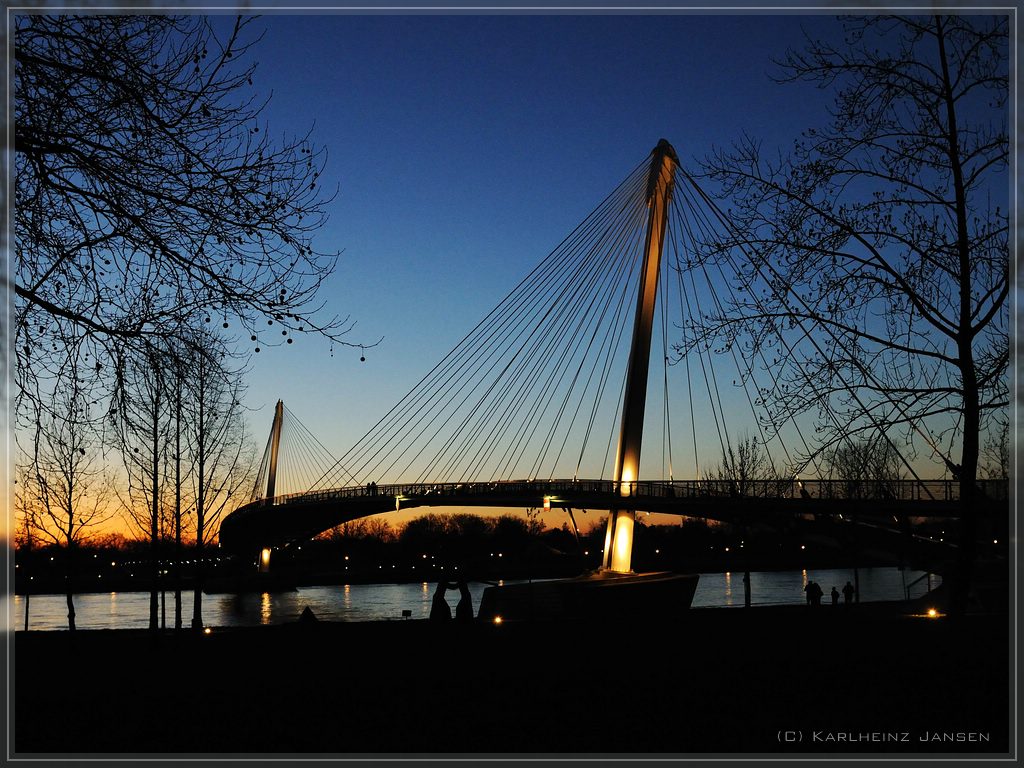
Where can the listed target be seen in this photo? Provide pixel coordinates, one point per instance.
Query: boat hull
(592, 597)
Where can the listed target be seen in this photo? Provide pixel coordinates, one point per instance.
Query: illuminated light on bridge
(265, 560)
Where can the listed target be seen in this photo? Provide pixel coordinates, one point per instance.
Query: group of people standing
(441, 611)
(814, 593)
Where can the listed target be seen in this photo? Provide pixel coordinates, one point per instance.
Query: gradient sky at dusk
(466, 147)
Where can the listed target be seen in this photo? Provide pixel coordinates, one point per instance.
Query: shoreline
(189, 586)
(705, 680)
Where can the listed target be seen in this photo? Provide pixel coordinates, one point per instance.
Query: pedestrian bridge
(299, 516)
(555, 380)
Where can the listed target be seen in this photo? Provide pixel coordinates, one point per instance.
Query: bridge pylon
(275, 448)
(618, 546)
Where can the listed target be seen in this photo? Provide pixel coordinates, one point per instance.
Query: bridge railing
(892, 490)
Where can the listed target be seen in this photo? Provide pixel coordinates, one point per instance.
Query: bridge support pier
(618, 540)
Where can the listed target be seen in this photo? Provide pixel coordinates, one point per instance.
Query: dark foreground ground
(761, 680)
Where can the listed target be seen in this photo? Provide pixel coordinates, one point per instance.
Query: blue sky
(466, 147)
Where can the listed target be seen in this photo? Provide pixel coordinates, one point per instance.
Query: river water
(369, 602)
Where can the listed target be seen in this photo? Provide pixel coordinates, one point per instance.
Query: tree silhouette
(867, 468)
(149, 194)
(141, 419)
(883, 239)
(62, 492)
(218, 446)
(746, 467)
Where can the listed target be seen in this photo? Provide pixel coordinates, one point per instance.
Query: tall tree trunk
(197, 600)
(155, 517)
(69, 586)
(177, 503)
(968, 470)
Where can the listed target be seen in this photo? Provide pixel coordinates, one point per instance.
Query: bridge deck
(273, 522)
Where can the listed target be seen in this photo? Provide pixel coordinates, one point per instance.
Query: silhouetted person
(848, 593)
(439, 608)
(816, 594)
(464, 609)
(809, 592)
(307, 616)
(835, 597)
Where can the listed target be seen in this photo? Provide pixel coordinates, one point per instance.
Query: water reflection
(266, 611)
(368, 602)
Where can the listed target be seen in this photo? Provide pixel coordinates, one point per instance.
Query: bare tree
(866, 468)
(219, 448)
(140, 418)
(883, 240)
(63, 491)
(149, 194)
(995, 454)
(747, 469)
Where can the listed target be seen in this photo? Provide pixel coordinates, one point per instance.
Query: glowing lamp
(932, 613)
(497, 619)
(547, 503)
(207, 631)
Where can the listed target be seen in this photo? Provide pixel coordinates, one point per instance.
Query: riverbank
(836, 681)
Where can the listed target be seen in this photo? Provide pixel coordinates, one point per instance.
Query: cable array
(534, 391)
